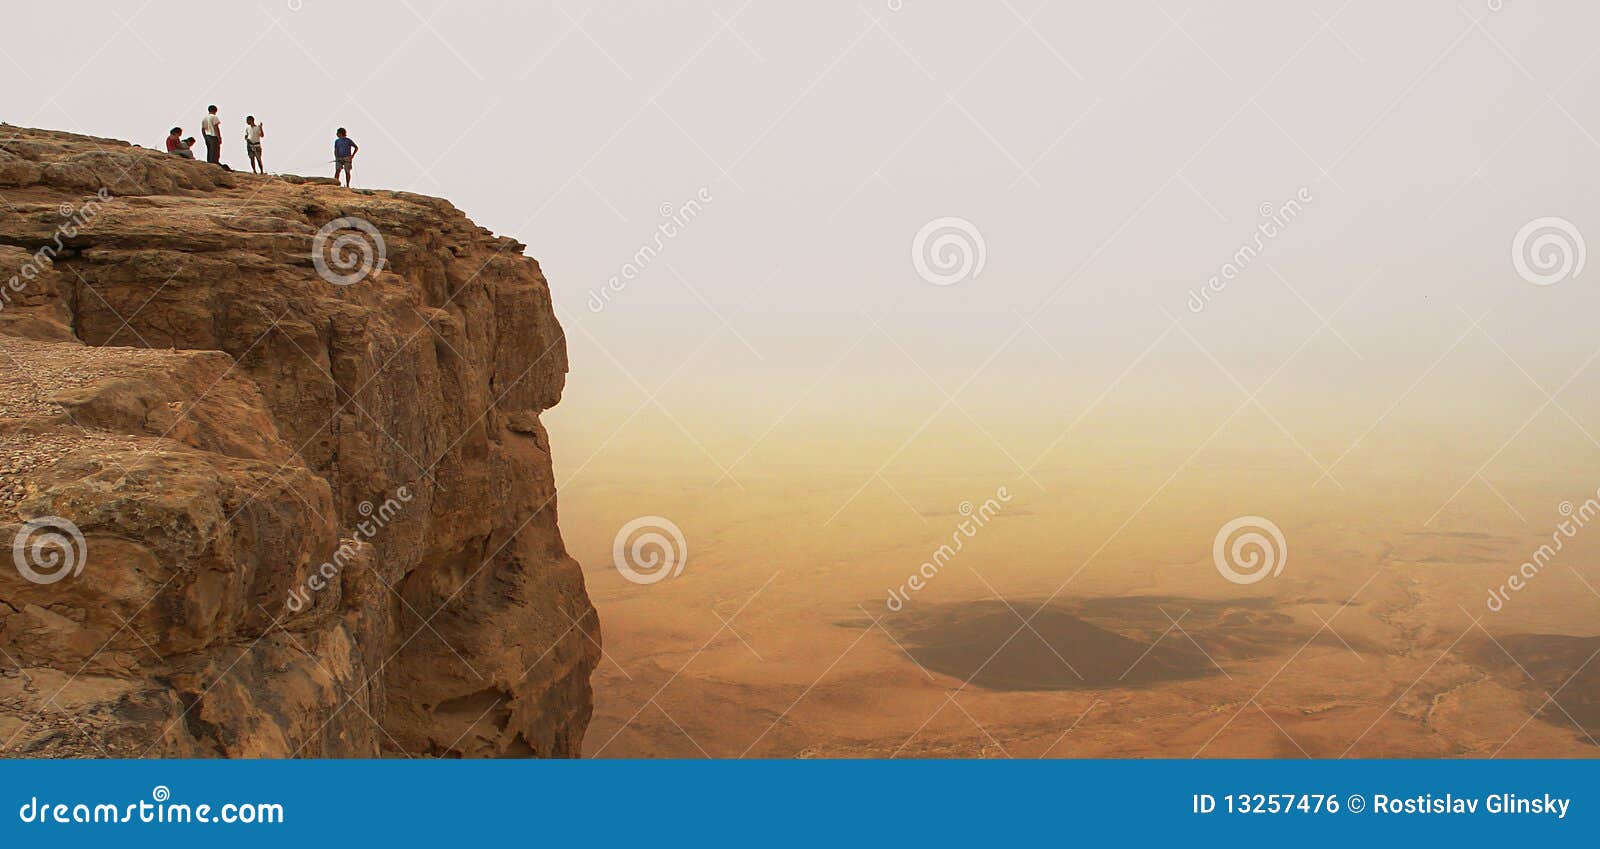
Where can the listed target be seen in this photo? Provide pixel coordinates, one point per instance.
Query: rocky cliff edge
(272, 466)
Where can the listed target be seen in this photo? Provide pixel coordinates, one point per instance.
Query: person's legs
(213, 148)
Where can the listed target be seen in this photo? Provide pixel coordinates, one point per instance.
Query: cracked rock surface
(311, 520)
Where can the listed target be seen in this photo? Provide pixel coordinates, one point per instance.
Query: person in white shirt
(211, 131)
(252, 143)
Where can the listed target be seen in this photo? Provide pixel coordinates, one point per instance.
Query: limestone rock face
(257, 513)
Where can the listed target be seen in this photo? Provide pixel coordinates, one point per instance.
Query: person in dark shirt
(344, 151)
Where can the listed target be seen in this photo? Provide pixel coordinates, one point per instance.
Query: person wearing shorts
(344, 153)
(252, 143)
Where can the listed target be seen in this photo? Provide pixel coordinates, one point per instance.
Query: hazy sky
(1111, 157)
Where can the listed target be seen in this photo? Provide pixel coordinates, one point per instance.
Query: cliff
(276, 482)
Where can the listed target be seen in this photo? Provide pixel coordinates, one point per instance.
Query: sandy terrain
(1063, 628)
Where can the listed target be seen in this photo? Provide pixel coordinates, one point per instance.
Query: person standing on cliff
(344, 153)
(252, 143)
(211, 131)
